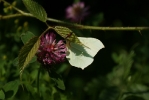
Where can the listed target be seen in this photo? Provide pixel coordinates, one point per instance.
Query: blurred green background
(120, 71)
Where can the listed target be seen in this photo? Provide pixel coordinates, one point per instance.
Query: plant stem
(74, 25)
(38, 77)
(10, 16)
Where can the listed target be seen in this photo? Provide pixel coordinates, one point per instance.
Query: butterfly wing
(93, 45)
(78, 57)
(82, 56)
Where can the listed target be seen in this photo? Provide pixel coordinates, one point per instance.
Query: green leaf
(11, 88)
(110, 93)
(33, 59)
(30, 88)
(67, 34)
(36, 9)
(122, 70)
(26, 37)
(57, 79)
(16, 61)
(2, 95)
(27, 52)
(63, 68)
(59, 83)
(34, 74)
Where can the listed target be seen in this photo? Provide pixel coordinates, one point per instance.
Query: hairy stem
(74, 25)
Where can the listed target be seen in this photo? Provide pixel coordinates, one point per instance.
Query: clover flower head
(51, 52)
(76, 12)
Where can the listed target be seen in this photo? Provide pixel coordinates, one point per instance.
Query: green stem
(10, 16)
(44, 32)
(120, 96)
(78, 26)
(38, 77)
(96, 27)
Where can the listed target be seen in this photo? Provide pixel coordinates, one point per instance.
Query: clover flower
(76, 12)
(51, 52)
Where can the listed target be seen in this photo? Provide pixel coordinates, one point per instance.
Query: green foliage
(57, 79)
(2, 95)
(36, 9)
(119, 72)
(110, 93)
(67, 34)
(26, 37)
(27, 52)
(11, 88)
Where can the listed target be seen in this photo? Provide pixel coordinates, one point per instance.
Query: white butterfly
(82, 56)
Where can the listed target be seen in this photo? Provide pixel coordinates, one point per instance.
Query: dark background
(107, 76)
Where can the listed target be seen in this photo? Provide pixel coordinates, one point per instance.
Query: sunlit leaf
(67, 34)
(33, 59)
(16, 61)
(36, 9)
(27, 52)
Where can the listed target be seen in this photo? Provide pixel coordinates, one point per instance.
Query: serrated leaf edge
(29, 58)
(43, 10)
